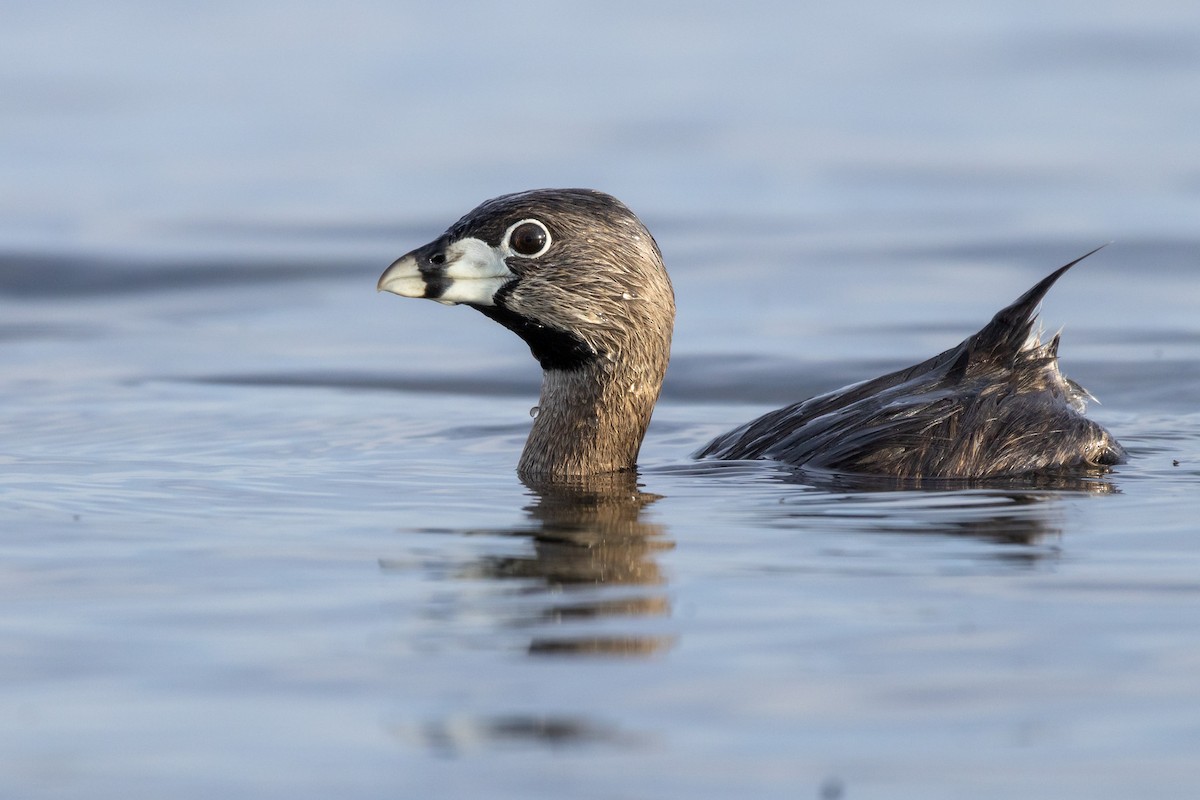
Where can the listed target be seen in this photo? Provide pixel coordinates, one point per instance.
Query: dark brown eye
(529, 238)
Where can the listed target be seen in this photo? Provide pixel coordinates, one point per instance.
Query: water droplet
(626, 296)
(533, 412)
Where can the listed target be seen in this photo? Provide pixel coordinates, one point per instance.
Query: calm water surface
(262, 536)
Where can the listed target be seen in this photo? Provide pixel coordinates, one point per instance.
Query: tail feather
(1009, 329)
(1052, 347)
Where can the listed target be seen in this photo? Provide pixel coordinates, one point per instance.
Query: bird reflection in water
(1019, 512)
(591, 573)
(592, 548)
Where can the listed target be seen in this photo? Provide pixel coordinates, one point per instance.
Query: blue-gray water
(261, 534)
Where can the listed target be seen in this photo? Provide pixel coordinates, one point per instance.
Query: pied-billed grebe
(575, 274)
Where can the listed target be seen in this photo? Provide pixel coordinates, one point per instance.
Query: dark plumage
(995, 405)
(581, 280)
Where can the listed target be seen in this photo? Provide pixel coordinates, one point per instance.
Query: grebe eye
(529, 238)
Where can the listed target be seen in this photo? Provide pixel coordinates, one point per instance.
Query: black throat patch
(553, 348)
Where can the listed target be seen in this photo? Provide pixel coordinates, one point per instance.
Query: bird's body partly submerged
(581, 280)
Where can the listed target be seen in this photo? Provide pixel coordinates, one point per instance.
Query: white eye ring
(507, 242)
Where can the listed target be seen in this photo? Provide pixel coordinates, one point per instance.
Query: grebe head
(573, 272)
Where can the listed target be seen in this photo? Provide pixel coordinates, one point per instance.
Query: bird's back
(994, 405)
